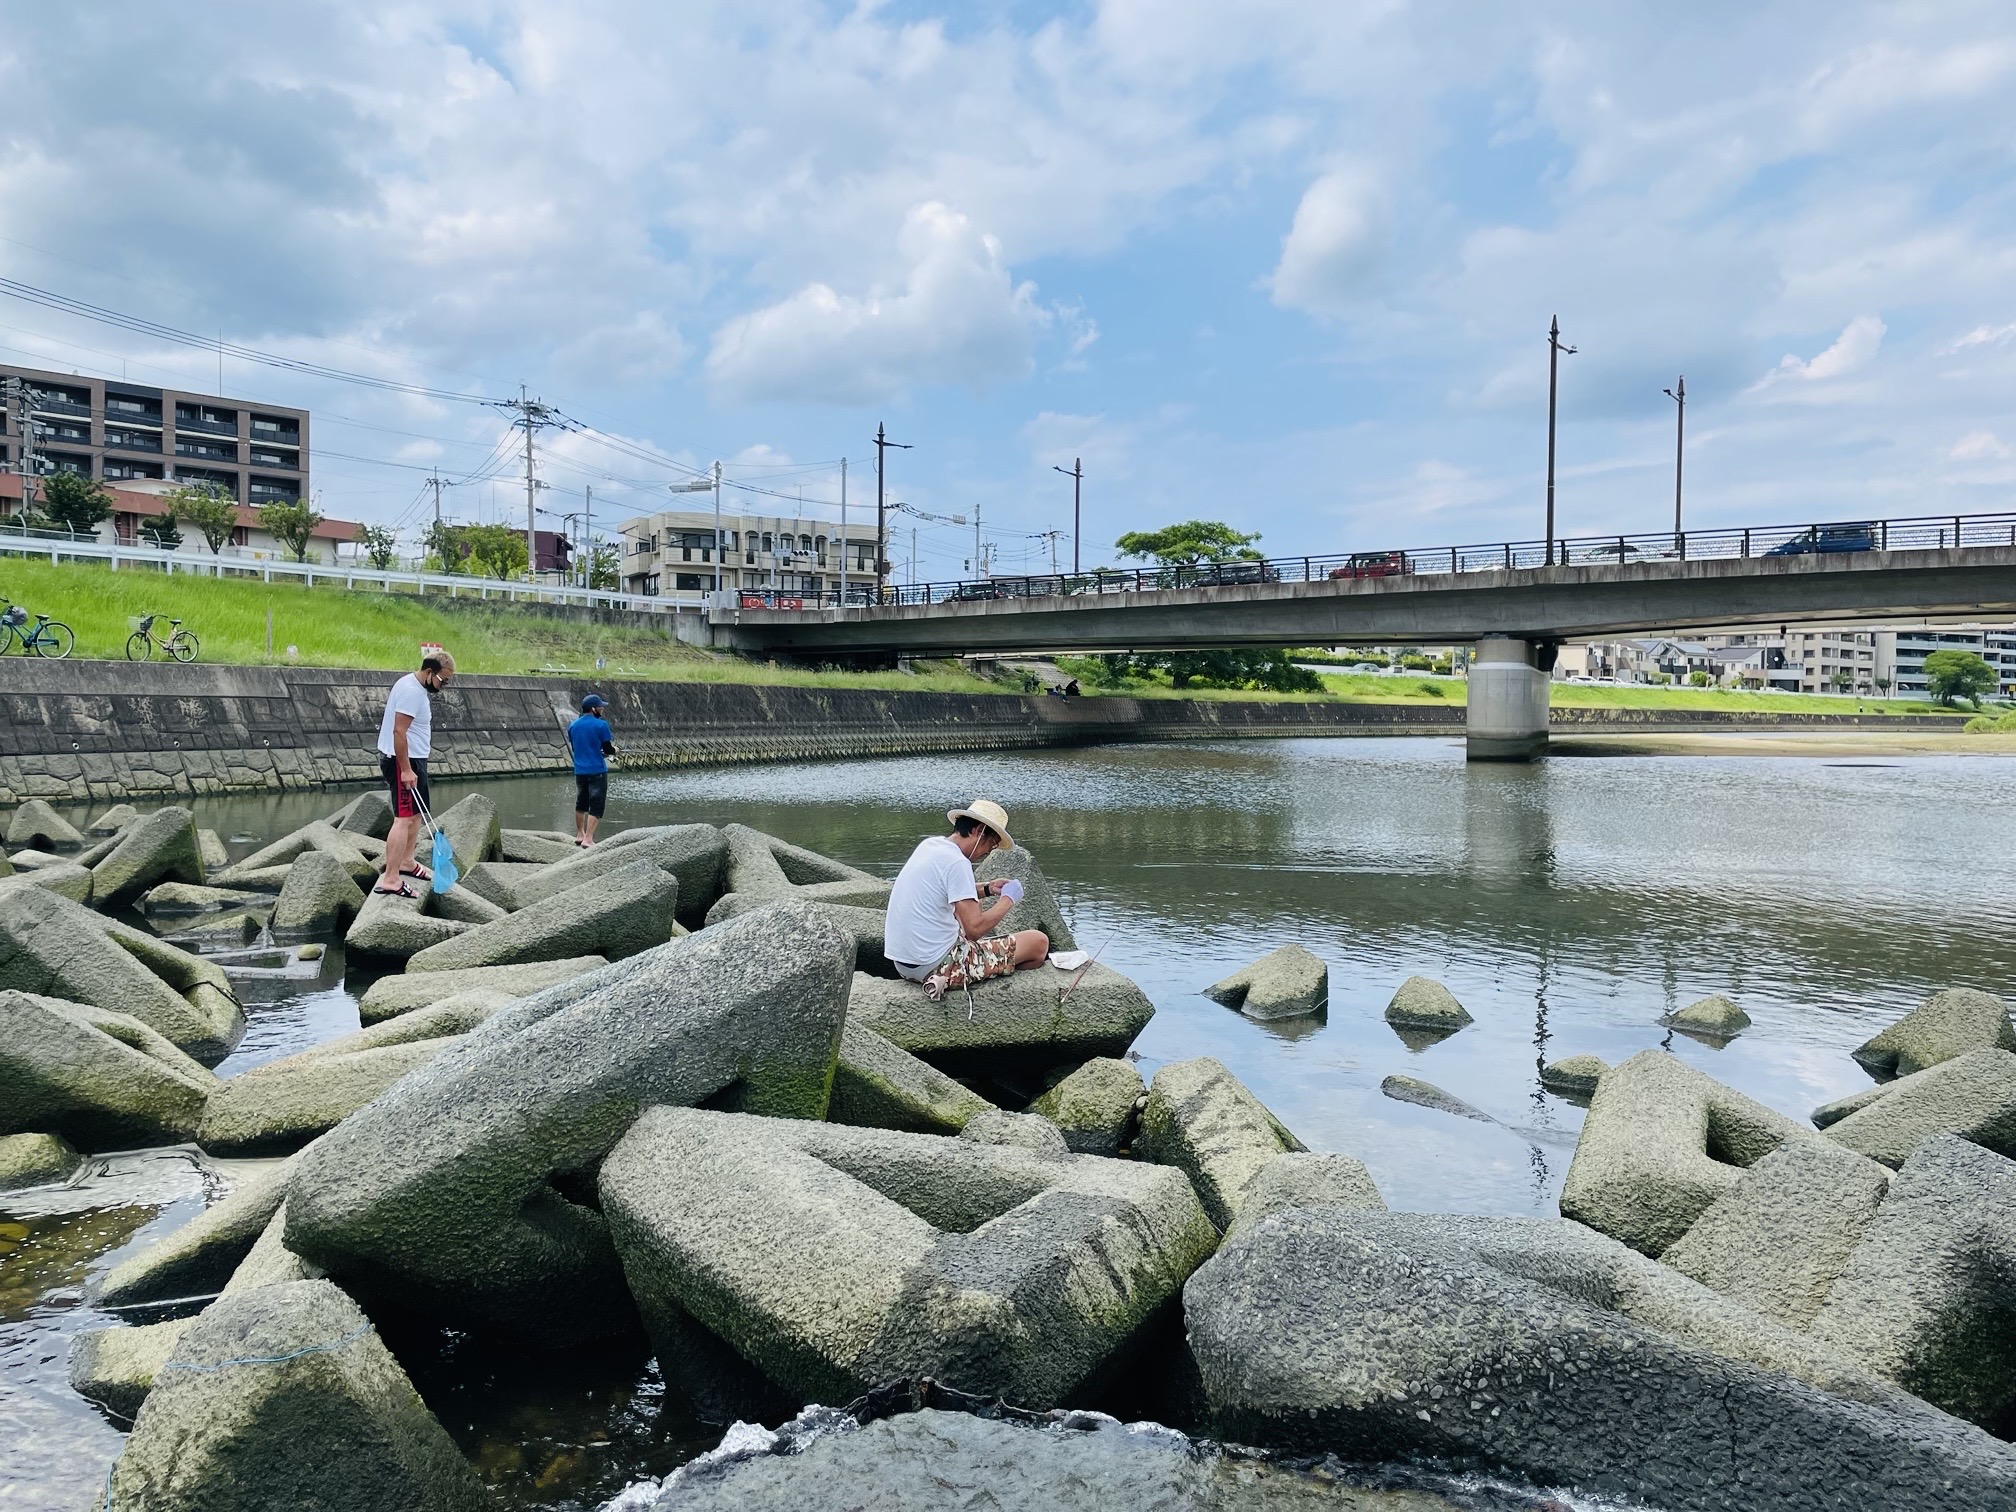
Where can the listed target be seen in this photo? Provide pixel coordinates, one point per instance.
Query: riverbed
(1570, 906)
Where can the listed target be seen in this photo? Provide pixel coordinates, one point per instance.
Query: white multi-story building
(1901, 653)
(672, 554)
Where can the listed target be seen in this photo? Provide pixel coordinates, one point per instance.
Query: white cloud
(1978, 446)
(1336, 246)
(1984, 335)
(959, 318)
(1854, 349)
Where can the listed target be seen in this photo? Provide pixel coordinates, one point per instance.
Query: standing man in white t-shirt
(405, 741)
(936, 930)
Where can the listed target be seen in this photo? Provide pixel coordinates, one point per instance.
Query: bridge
(1516, 601)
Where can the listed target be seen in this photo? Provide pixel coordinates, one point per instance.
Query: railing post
(1452, 560)
(1882, 535)
(1681, 541)
(1307, 575)
(1956, 530)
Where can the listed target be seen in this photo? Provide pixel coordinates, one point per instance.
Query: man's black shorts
(591, 792)
(402, 798)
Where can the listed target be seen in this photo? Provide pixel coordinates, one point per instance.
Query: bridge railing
(1838, 537)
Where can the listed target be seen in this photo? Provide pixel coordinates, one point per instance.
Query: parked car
(1218, 574)
(1373, 564)
(1818, 538)
(1624, 551)
(981, 590)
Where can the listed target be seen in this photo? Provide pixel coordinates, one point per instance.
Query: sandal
(419, 871)
(401, 891)
(935, 987)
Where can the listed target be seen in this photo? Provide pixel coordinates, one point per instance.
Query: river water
(1570, 906)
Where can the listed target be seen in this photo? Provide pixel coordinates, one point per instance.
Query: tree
(444, 546)
(1189, 543)
(161, 530)
(496, 551)
(292, 524)
(605, 567)
(1699, 679)
(1953, 675)
(1268, 669)
(381, 545)
(213, 512)
(75, 502)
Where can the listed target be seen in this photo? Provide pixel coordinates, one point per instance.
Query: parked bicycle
(46, 637)
(141, 645)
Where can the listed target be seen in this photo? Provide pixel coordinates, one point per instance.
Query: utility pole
(24, 431)
(1051, 537)
(434, 483)
(979, 561)
(1679, 397)
(532, 416)
(720, 555)
(1076, 473)
(843, 538)
(882, 445)
(1554, 351)
(588, 530)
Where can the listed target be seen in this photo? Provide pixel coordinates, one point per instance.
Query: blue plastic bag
(444, 870)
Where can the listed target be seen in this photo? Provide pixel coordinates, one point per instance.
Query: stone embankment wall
(92, 731)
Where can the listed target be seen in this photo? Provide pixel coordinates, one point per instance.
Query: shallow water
(1570, 906)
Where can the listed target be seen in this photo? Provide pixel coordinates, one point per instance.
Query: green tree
(605, 567)
(1699, 679)
(161, 530)
(496, 551)
(291, 523)
(1953, 675)
(1265, 669)
(75, 502)
(446, 549)
(212, 511)
(1189, 543)
(381, 545)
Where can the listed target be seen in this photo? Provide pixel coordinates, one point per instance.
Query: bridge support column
(1508, 701)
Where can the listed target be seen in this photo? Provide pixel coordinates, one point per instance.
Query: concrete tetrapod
(1094, 1107)
(1540, 1349)
(1928, 1298)
(693, 853)
(1030, 1020)
(1945, 1025)
(1778, 1238)
(1643, 1168)
(1424, 1005)
(1201, 1119)
(102, 1080)
(160, 848)
(618, 914)
(1972, 1095)
(1284, 983)
(834, 1259)
(319, 894)
(441, 1190)
(29, 1160)
(277, 1108)
(1714, 1018)
(285, 1397)
(35, 825)
(201, 1256)
(390, 996)
(865, 926)
(116, 819)
(877, 1086)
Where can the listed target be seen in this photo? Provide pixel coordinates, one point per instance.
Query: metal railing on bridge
(1921, 533)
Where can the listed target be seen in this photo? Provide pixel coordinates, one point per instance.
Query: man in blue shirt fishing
(594, 743)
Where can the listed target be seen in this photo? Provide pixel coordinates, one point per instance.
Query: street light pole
(1554, 351)
(882, 445)
(1678, 396)
(1076, 473)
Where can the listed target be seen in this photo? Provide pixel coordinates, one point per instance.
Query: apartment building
(129, 433)
(1901, 653)
(671, 554)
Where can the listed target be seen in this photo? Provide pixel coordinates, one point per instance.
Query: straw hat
(988, 813)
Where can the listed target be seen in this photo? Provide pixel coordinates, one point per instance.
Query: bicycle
(177, 643)
(47, 637)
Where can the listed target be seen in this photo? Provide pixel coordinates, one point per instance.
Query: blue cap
(592, 701)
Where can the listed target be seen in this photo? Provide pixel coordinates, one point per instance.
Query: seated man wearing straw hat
(936, 931)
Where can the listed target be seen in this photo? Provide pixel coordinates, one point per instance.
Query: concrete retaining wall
(94, 731)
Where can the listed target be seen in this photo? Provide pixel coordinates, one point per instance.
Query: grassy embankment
(329, 627)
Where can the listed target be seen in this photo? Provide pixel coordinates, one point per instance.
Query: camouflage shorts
(976, 960)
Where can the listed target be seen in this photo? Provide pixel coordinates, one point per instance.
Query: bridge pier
(1508, 700)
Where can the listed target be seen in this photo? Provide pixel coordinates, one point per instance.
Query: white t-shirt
(921, 926)
(409, 697)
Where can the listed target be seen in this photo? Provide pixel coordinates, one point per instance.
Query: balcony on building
(118, 438)
(49, 399)
(226, 482)
(210, 419)
(273, 456)
(208, 451)
(129, 409)
(62, 432)
(280, 429)
(265, 490)
(118, 470)
(70, 462)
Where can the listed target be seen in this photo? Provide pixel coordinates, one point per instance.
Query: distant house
(249, 540)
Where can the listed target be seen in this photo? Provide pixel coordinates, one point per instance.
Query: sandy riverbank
(1828, 743)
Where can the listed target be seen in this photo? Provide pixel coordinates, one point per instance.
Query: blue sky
(1285, 264)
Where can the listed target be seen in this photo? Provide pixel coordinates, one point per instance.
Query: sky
(1288, 264)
